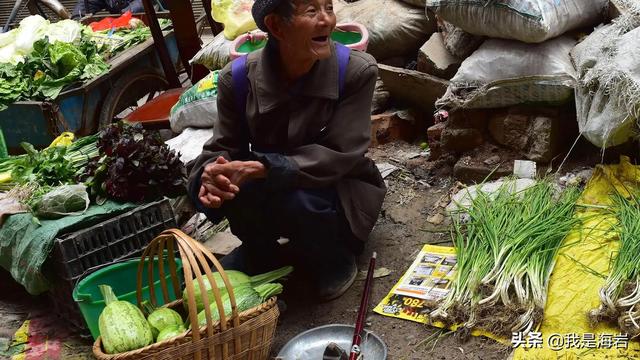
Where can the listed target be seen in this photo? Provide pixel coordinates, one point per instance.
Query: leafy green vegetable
(124, 38)
(38, 60)
(48, 69)
(53, 166)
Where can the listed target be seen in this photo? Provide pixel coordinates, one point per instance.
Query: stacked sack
(525, 57)
(532, 55)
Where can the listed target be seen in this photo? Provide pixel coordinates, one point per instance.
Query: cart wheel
(129, 92)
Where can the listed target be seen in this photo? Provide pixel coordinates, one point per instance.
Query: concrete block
(435, 59)
(413, 88)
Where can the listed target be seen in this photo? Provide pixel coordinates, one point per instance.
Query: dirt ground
(402, 229)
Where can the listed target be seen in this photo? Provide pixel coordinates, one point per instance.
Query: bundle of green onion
(48, 167)
(620, 295)
(506, 252)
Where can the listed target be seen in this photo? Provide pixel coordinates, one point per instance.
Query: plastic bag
(235, 15)
(530, 21)
(398, 30)
(197, 106)
(608, 89)
(189, 143)
(62, 201)
(505, 72)
(214, 55)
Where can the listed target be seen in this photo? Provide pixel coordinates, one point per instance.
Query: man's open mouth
(320, 38)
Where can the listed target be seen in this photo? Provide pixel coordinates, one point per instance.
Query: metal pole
(158, 40)
(12, 16)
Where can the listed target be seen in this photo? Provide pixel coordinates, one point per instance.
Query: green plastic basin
(122, 277)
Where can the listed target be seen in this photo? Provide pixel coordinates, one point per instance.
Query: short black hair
(285, 10)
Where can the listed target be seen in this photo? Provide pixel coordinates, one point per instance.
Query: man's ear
(274, 25)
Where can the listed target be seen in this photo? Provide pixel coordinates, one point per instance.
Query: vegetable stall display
(506, 245)
(39, 59)
(123, 162)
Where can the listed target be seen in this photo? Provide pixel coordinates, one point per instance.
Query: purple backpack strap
(240, 84)
(343, 53)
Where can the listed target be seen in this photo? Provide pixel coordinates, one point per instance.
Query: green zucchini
(170, 331)
(161, 318)
(122, 325)
(246, 298)
(237, 279)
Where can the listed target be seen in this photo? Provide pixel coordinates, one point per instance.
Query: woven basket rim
(243, 316)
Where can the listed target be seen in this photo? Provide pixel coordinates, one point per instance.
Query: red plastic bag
(112, 23)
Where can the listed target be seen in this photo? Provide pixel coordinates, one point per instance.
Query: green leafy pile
(124, 38)
(48, 69)
(40, 171)
(52, 166)
(135, 165)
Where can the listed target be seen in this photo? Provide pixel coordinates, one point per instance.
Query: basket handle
(194, 259)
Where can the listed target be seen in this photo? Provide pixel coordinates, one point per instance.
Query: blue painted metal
(76, 109)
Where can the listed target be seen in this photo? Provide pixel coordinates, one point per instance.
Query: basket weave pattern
(247, 335)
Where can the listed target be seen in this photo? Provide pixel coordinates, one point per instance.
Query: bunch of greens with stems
(40, 171)
(506, 251)
(620, 295)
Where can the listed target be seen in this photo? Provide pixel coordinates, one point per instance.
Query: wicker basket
(246, 335)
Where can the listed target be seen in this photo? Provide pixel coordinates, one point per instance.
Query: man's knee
(297, 202)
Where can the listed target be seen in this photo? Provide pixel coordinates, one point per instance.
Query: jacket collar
(321, 81)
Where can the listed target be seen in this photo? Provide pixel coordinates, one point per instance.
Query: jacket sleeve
(230, 138)
(341, 145)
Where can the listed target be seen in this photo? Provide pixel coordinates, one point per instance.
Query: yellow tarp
(580, 272)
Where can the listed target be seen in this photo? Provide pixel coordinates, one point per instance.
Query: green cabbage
(31, 29)
(66, 31)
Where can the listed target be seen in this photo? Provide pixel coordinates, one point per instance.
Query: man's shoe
(331, 284)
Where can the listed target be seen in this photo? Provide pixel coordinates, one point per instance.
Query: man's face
(309, 31)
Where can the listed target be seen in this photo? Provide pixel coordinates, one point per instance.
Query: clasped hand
(221, 180)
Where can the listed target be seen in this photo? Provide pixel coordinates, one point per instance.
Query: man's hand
(221, 180)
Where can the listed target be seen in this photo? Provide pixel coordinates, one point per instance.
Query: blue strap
(343, 61)
(240, 84)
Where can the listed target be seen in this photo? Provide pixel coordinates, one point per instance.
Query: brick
(469, 170)
(469, 118)
(388, 127)
(461, 140)
(434, 132)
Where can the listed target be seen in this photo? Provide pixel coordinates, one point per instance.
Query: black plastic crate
(121, 237)
(77, 254)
